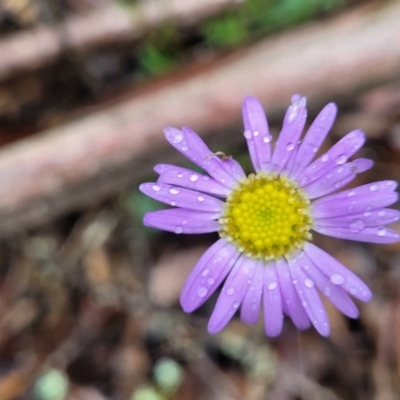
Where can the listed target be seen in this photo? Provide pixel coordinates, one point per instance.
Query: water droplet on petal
(202, 291)
(329, 176)
(193, 178)
(178, 230)
(179, 174)
(156, 188)
(247, 134)
(382, 231)
(230, 291)
(341, 159)
(351, 193)
(184, 148)
(267, 139)
(337, 279)
(315, 149)
(184, 222)
(173, 203)
(340, 170)
(381, 213)
(309, 283)
(210, 281)
(256, 133)
(272, 285)
(304, 303)
(173, 191)
(357, 224)
(325, 158)
(327, 292)
(290, 146)
(200, 198)
(205, 272)
(367, 214)
(353, 291)
(235, 304)
(294, 281)
(177, 138)
(373, 188)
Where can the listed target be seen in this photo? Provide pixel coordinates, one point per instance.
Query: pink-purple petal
(188, 143)
(314, 138)
(362, 165)
(355, 201)
(380, 234)
(356, 222)
(191, 180)
(290, 298)
(338, 273)
(309, 297)
(334, 293)
(212, 268)
(257, 133)
(273, 311)
(233, 168)
(214, 166)
(232, 293)
(180, 197)
(251, 304)
(337, 155)
(292, 128)
(182, 221)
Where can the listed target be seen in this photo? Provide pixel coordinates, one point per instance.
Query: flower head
(265, 220)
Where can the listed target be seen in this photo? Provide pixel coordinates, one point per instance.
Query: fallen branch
(42, 46)
(99, 155)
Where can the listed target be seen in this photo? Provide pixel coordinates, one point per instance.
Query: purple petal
(337, 155)
(309, 297)
(334, 293)
(215, 167)
(232, 293)
(355, 201)
(180, 197)
(336, 178)
(252, 300)
(293, 126)
(212, 268)
(190, 180)
(233, 168)
(179, 220)
(359, 221)
(370, 235)
(257, 133)
(188, 143)
(338, 273)
(290, 297)
(273, 312)
(314, 138)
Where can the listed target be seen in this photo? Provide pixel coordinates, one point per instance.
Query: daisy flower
(264, 255)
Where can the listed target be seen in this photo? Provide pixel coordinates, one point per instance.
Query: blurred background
(88, 296)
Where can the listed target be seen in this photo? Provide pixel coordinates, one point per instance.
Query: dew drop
(210, 281)
(230, 291)
(329, 176)
(337, 279)
(200, 198)
(304, 303)
(202, 291)
(351, 193)
(340, 170)
(315, 149)
(381, 231)
(294, 281)
(193, 178)
(267, 139)
(184, 222)
(156, 188)
(341, 159)
(235, 305)
(290, 146)
(272, 286)
(247, 134)
(179, 174)
(205, 272)
(184, 148)
(353, 291)
(381, 213)
(309, 283)
(367, 214)
(173, 191)
(325, 158)
(256, 133)
(373, 188)
(357, 224)
(173, 203)
(177, 138)
(178, 230)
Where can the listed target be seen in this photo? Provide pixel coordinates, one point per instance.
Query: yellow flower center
(267, 216)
